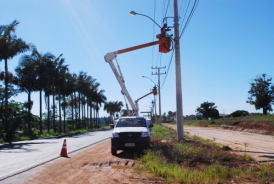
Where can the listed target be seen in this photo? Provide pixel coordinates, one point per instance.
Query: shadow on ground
(130, 153)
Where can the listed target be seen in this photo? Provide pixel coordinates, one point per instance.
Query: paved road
(23, 155)
(259, 146)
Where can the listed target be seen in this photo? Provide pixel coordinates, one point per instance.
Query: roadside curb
(46, 161)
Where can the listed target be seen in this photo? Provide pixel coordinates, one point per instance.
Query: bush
(239, 113)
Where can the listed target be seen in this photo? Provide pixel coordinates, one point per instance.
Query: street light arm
(149, 79)
(134, 13)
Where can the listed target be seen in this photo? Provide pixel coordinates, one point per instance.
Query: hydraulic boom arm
(109, 57)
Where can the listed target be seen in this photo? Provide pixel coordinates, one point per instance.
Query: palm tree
(99, 99)
(60, 83)
(82, 77)
(10, 46)
(110, 108)
(68, 90)
(113, 107)
(55, 67)
(90, 91)
(26, 79)
(40, 61)
(118, 106)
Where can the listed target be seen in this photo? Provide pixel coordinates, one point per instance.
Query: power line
(196, 2)
(168, 68)
(190, 16)
(167, 7)
(181, 6)
(153, 35)
(182, 23)
(163, 9)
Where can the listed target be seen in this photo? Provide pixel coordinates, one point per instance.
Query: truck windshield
(131, 123)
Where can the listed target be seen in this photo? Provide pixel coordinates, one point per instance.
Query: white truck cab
(130, 132)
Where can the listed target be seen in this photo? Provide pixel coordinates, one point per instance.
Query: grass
(161, 133)
(199, 161)
(207, 141)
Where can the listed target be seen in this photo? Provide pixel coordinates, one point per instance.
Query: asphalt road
(20, 156)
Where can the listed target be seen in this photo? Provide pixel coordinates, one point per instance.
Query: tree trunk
(94, 116)
(54, 127)
(41, 131)
(88, 125)
(82, 107)
(98, 116)
(75, 108)
(83, 118)
(48, 114)
(76, 116)
(79, 111)
(60, 123)
(64, 100)
(72, 105)
(6, 95)
(91, 117)
(264, 110)
(29, 114)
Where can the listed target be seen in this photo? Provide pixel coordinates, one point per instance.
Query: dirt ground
(259, 146)
(94, 165)
(97, 165)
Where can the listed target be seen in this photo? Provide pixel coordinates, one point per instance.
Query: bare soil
(97, 165)
(260, 147)
(94, 165)
(254, 124)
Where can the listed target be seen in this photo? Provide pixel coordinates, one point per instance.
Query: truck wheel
(113, 151)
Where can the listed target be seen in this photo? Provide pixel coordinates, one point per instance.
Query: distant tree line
(261, 96)
(78, 95)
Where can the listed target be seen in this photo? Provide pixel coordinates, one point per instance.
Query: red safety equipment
(154, 91)
(64, 149)
(163, 47)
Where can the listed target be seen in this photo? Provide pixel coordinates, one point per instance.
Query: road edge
(46, 161)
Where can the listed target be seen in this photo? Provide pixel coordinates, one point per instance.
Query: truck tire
(113, 151)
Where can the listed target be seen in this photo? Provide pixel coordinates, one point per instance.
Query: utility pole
(159, 87)
(179, 104)
(155, 108)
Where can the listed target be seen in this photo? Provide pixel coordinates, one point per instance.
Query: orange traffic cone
(64, 149)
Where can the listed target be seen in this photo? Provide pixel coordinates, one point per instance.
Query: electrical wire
(163, 9)
(182, 23)
(161, 60)
(196, 2)
(190, 16)
(181, 7)
(167, 7)
(153, 36)
(167, 69)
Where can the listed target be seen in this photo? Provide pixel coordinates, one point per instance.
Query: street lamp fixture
(133, 13)
(149, 79)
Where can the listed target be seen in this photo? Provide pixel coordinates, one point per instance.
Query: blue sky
(226, 44)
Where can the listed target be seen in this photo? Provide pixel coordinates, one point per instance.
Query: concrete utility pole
(179, 104)
(159, 87)
(155, 108)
